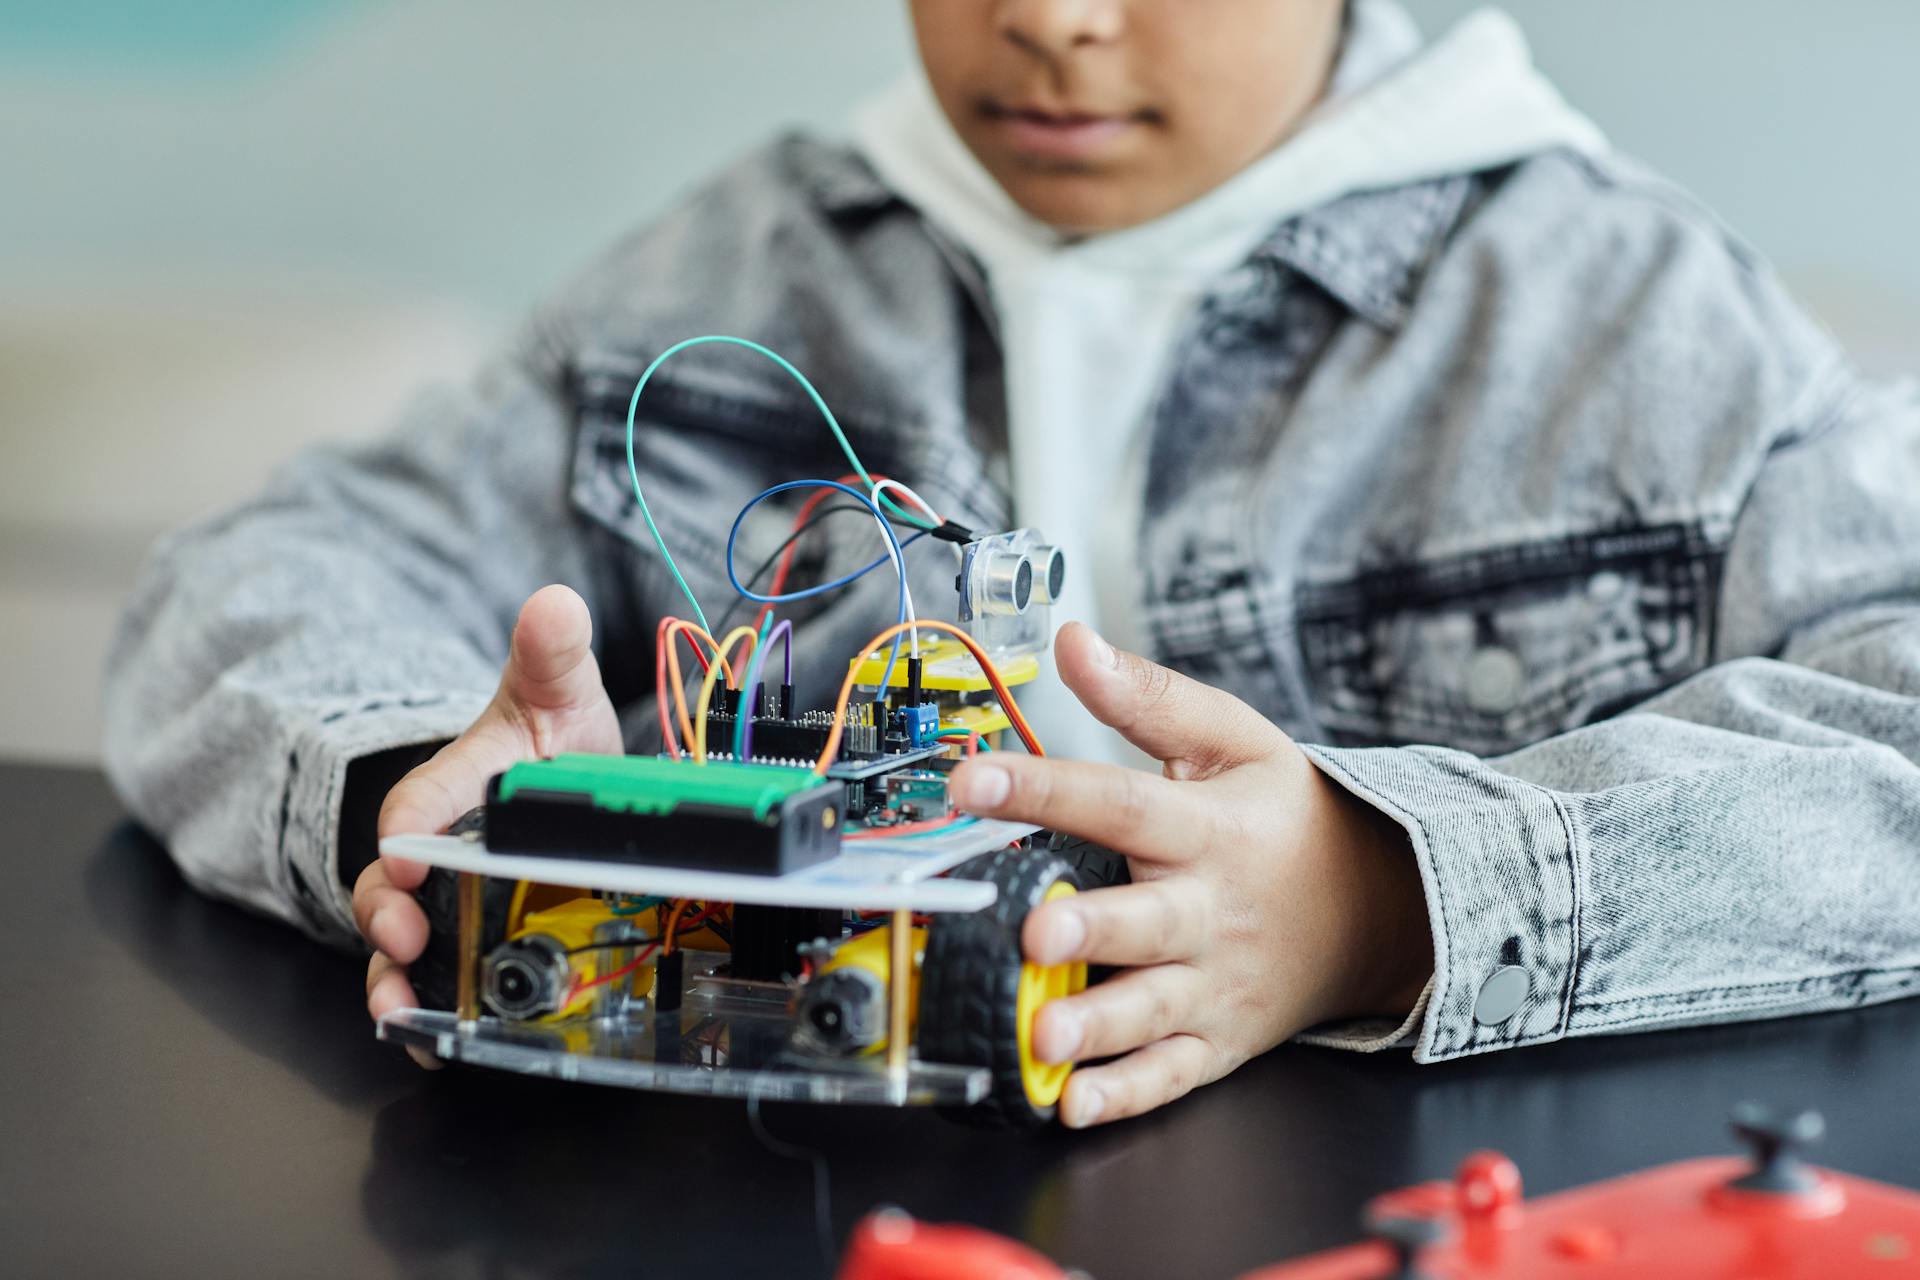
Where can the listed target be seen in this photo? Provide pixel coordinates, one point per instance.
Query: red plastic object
(889, 1245)
(1678, 1221)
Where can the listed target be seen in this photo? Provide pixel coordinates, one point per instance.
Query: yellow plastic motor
(550, 967)
(842, 1009)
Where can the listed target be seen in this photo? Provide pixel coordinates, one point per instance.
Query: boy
(1377, 401)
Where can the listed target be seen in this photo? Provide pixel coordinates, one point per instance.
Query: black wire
(773, 558)
(822, 1186)
(766, 566)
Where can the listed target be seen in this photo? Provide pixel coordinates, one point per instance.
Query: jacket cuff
(1500, 861)
(308, 857)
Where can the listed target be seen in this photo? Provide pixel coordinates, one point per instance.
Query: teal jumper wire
(633, 470)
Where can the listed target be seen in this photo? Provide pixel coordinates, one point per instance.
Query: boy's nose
(1060, 26)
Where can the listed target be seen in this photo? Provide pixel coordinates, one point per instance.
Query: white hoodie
(1088, 324)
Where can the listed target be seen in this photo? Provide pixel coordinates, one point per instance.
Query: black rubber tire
(435, 975)
(970, 979)
(1098, 867)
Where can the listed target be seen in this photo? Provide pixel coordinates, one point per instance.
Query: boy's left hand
(1266, 898)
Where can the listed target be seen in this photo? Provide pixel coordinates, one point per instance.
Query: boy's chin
(1082, 203)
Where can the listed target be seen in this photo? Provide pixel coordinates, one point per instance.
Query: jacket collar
(1366, 250)
(845, 185)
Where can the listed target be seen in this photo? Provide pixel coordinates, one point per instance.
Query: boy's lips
(1057, 135)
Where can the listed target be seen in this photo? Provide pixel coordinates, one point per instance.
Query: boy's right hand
(550, 700)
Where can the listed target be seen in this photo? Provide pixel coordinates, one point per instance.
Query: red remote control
(1717, 1219)
(1772, 1218)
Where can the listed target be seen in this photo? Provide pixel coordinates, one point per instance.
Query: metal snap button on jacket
(1493, 681)
(1500, 996)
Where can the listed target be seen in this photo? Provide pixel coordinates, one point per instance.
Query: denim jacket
(1526, 498)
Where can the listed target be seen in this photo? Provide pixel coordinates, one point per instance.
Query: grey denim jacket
(1527, 497)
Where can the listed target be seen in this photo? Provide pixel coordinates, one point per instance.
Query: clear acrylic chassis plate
(727, 1039)
(868, 875)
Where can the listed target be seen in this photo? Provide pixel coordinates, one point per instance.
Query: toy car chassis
(627, 1040)
(945, 964)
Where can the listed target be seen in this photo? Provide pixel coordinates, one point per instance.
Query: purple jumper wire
(783, 630)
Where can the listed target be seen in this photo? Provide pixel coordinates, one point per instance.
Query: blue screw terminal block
(922, 724)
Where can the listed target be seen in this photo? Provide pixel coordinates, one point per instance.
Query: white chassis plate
(869, 875)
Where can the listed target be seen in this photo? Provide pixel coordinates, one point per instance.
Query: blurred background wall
(230, 227)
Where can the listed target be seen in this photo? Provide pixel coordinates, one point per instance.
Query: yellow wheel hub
(1039, 984)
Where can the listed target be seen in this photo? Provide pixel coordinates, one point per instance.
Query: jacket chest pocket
(1491, 651)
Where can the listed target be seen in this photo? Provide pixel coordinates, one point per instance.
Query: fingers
(1144, 1079)
(1135, 1008)
(387, 990)
(552, 667)
(403, 874)
(1126, 810)
(550, 700)
(387, 987)
(1167, 715)
(1151, 922)
(388, 916)
(431, 797)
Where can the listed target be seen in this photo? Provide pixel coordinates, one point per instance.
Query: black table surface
(188, 1089)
